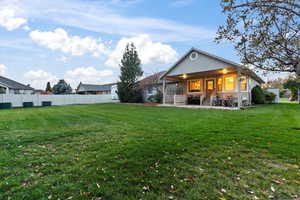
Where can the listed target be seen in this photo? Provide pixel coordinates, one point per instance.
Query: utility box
(27, 104)
(5, 105)
(46, 103)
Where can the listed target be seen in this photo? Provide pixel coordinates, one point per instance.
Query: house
(95, 89)
(151, 85)
(8, 86)
(38, 91)
(206, 79)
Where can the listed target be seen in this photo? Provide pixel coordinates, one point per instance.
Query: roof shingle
(11, 84)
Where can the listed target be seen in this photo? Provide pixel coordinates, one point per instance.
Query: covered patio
(201, 79)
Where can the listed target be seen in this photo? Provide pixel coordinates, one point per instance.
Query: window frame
(222, 81)
(234, 82)
(246, 83)
(201, 85)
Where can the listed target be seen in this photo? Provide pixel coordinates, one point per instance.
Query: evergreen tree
(48, 87)
(62, 88)
(130, 72)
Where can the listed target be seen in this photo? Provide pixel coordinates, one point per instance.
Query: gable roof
(152, 79)
(92, 87)
(11, 84)
(234, 64)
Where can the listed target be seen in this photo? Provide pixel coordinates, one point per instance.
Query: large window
(2, 90)
(195, 85)
(220, 84)
(229, 83)
(243, 83)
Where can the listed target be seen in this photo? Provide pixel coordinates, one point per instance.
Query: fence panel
(56, 100)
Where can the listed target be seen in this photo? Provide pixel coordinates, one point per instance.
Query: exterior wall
(114, 92)
(201, 64)
(149, 91)
(17, 100)
(14, 91)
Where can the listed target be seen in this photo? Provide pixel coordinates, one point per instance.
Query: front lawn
(126, 152)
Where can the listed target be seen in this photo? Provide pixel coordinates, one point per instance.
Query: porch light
(224, 71)
(184, 76)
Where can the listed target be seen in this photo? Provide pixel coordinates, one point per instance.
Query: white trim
(195, 79)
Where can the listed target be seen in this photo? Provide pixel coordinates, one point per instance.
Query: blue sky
(83, 40)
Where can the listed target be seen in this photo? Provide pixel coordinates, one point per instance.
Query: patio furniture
(217, 101)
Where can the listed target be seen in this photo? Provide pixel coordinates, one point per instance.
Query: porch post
(239, 88)
(164, 91)
(249, 90)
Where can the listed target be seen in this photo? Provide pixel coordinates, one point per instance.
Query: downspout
(164, 91)
(239, 88)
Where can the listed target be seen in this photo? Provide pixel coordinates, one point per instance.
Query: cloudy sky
(83, 40)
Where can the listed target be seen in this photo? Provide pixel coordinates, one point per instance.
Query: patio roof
(231, 63)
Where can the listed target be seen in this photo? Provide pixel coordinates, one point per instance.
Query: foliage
(269, 96)
(265, 32)
(48, 87)
(62, 88)
(293, 85)
(258, 96)
(117, 151)
(284, 93)
(130, 72)
(156, 98)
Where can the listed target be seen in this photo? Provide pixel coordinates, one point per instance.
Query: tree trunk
(298, 77)
(298, 69)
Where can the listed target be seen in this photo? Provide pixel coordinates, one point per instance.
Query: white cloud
(2, 69)
(103, 17)
(74, 45)
(39, 78)
(63, 59)
(149, 52)
(26, 28)
(181, 3)
(9, 20)
(88, 75)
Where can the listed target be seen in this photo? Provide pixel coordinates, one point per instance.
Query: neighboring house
(151, 85)
(205, 79)
(275, 91)
(96, 89)
(38, 91)
(8, 86)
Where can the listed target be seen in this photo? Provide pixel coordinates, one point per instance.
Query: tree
(48, 87)
(130, 73)
(266, 33)
(293, 85)
(62, 88)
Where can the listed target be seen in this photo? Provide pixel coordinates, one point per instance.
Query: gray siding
(203, 63)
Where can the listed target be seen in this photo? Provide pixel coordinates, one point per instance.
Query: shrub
(258, 96)
(269, 96)
(157, 98)
(133, 95)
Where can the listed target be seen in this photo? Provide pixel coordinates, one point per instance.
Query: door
(210, 87)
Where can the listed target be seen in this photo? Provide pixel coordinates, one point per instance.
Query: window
(219, 84)
(243, 82)
(210, 85)
(194, 85)
(229, 83)
(194, 56)
(150, 90)
(2, 90)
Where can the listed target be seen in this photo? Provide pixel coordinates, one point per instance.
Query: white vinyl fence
(17, 100)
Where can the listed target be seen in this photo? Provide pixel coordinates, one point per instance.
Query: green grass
(122, 152)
